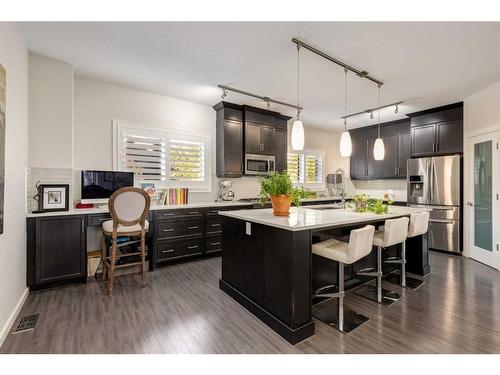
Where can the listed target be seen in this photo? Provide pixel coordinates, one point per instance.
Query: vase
(281, 204)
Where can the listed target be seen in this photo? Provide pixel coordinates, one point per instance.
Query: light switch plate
(248, 229)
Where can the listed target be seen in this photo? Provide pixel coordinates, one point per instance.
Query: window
(167, 158)
(306, 169)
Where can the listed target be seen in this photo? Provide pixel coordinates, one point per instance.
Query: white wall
(14, 58)
(481, 114)
(50, 113)
(97, 103)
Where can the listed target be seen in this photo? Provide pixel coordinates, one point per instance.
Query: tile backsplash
(243, 187)
(377, 188)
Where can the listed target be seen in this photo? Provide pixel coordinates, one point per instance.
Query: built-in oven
(259, 164)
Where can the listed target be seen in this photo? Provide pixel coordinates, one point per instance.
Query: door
(445, 180)
(372, 165)
(482, 200)
(404, 153)
(266, 138)
(449, 137)
(358, 159)
(60, 249)
(281, 149)
(389, 166)
(233, 148)
(252, 143)
(423, 140)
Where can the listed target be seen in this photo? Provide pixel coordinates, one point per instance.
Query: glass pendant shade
(345, 144)
(379, 149)
(297, 136)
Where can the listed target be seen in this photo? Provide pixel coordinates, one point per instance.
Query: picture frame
(53, 197)
(149, 188)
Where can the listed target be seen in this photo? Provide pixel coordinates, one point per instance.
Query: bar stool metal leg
(400, 277)
(345, 320)
(376, 292)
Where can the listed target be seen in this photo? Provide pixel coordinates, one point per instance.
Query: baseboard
(12, 318)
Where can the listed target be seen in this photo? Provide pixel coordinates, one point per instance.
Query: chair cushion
(107, 226)
(332, 249)
(378, 238)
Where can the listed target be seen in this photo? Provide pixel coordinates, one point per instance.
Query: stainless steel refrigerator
(436, 182)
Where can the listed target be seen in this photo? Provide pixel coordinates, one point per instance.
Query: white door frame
(494, 259)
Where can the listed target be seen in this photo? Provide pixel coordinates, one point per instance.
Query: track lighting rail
(371, 110)
(264, 98)
(359, 73)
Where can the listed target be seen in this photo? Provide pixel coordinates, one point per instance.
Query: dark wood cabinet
(396, 136)
(437, 131)
(259, 139)
(229, 139)
(281, 149)
(423, 140)
(56, 250)
(404, 153)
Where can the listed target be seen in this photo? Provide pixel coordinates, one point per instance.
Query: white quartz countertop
(87, 211)
(304, 218)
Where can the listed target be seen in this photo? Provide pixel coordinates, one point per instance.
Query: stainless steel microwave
(259, 164)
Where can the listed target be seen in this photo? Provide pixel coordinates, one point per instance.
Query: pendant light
(297, 127)
(345, 137)
(378, 148)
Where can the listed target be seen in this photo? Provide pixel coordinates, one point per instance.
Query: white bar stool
(419, 224)
(395, 232)
(359, 246)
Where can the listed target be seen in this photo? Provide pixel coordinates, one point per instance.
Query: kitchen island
(268, 267)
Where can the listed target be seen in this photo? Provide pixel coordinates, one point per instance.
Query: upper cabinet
(396, 136)
(244, 130)
(437, 131)
(229, 138)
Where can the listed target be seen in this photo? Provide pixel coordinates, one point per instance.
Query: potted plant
(278, 187)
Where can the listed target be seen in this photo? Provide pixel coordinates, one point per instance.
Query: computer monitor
(98, 186)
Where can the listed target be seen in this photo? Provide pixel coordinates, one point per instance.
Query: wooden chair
(129, 208)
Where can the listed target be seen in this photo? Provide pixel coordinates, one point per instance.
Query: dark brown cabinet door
(449, 137)
(267, 140)
(60, 252)
(233, 148)
(252, 139)
(358, 159)
(389, 166)
(404, 153)
(281, 149)
(372, 165)
(423, 140)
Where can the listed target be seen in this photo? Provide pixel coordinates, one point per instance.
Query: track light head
(224, 94)
(371, 115)
(396, 110)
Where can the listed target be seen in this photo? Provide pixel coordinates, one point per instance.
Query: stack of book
(173, 196)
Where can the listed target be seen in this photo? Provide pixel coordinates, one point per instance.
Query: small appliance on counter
(226, 194)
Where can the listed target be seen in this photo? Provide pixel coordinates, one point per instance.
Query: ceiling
(424, 64)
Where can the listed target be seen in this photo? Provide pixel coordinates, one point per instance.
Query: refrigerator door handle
(431, 180)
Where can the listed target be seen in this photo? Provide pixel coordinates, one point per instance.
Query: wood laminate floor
(182, 310)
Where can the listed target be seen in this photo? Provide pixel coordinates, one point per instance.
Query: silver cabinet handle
(168, 230)
(104, 218)
(214, 243)
(168, 251)
(193, 227)
(470, 204)
(441, 221)
(83, 224)
(215, 225)
(193, 213)
(192, 247)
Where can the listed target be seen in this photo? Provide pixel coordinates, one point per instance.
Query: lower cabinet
(56, 250)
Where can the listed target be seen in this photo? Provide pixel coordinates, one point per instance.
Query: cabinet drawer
(178, 213)
(214, 211)
(213, 225)
(213, 244)
(172, 229)
(178, 249)
(97, 219)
